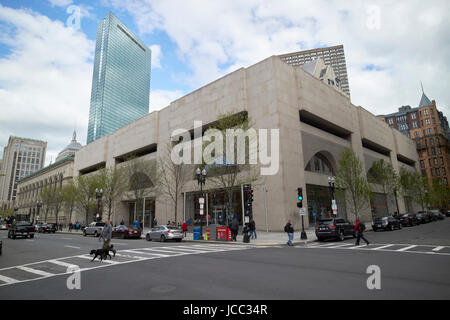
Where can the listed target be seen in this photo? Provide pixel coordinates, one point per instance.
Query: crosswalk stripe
(438, 248)
(35, 271)
(360, 246)
(63, 264)
(135, 251)
(386, 246)
(129, 256)
(326, 245)
(407, 248)
(104, 260)
(8, 279)
(341, 245)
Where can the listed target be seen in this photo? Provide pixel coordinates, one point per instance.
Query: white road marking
(63, 264)
(341, 245)
(66, 238)
(360, 246)
(8, 280)
(156, 255)
(72, 247)
(383, 247)
(35, 271)
(407, 248)
(438, 248)
(104, 260)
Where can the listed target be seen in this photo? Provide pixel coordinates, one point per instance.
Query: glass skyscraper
(121, 79)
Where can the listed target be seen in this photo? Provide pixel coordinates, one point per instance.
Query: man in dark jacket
(290, 231)
(252, 227)
(359, 232)
(234, 228)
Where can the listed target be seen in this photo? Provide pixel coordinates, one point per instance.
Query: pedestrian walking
(136, 224)
(252, 227)
(234, 228)
(106, 236)
(184, 228)
(289, 229)
(359, 228)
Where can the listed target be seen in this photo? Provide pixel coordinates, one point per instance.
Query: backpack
(362, 226)
(286, 228)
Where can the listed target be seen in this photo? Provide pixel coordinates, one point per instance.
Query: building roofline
(341, 46)
(65, 159)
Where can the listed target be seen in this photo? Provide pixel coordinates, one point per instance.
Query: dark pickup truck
(21, 228)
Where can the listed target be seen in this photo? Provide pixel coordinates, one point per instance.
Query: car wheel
(178, 240)
(341, 235)
(319, 239)
(96, 234)
(163, 238)
(374, 229)
(147, 237)
(31, 236)
(14, 236)
(391, 228)
(400, 226)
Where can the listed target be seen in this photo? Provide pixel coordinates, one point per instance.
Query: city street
(414, 264)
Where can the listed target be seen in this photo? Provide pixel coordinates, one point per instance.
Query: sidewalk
(264, 238)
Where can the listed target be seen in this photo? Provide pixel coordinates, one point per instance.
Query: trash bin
(196, 233)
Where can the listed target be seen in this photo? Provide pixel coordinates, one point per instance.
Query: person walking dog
(359, 228)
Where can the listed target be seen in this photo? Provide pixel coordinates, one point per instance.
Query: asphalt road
(414, 263)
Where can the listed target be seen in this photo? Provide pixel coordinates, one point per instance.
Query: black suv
(423, 217)
(48, 227)
(408, 220)
(386, 223)
(334, 228)
(21, 228)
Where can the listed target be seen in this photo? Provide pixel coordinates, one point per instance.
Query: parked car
(95, 229)
(386, 223)
(437, 215)
(447, 214)
(422, 217)
(408, 220)
(48, 227)
(3, 226)
(125, 232)
(335, 228)
(163, 233)
(21, 228)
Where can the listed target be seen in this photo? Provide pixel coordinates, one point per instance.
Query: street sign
(333, 205)
(201, 212)
(303, 211)
(247, 219)
(201, 205)
(201, 200)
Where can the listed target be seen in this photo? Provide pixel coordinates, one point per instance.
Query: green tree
(351, 180)
(114, 185)
(172, 177)
(439, 195)
(237, 170)
(85, 192)
(383, 174)
(69, 195)
(46, 198)
(414, 185)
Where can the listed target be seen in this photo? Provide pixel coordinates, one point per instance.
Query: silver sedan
(163, 233)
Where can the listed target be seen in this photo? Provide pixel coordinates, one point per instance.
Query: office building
(21, 157)
(429, 129)
(333, 56)
(121, 79)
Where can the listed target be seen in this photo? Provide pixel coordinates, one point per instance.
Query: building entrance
(216, 206)
(319, 204)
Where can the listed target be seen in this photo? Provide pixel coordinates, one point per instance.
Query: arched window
(320, 164)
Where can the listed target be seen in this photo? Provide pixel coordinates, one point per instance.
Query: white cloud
(156, 56)
(60, 3)
(45, 80)
(162, 98)
(409, 40)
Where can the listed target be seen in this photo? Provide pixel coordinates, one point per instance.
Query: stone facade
(312, 117)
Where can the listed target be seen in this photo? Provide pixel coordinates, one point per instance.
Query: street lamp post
(39, 205)
(331, 184)
(98, 195)
(201, 179)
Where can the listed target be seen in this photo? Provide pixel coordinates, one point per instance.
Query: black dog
(102, 253)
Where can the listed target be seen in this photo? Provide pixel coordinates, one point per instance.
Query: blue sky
(46, 64)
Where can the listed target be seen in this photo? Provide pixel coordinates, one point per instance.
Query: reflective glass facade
(121, 79)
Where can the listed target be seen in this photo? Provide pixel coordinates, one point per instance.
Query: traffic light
(299, 197)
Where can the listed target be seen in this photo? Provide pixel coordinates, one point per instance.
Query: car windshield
(23, 223)
(405, 215)
(326, 222)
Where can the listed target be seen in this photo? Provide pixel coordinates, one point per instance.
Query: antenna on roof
(421, 86)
